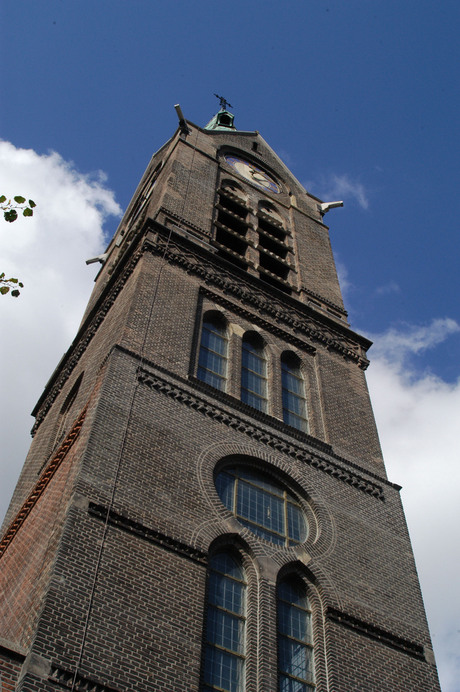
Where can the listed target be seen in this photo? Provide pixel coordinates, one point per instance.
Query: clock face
(253, 174)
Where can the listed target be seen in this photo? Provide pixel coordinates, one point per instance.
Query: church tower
(204, 505)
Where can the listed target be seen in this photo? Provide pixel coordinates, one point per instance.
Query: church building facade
(204, 506)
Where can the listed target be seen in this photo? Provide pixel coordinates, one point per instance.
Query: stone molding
(260, 434)
(383, 636)
(238, 286)
(254, 318)
(271, 306)
(122, 522)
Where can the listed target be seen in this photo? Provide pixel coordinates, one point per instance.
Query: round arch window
(262, 504)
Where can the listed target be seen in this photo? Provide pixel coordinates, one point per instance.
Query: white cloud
(340, 187)
(390, 287)
(397, 344)
(48, 253)
(417, 416)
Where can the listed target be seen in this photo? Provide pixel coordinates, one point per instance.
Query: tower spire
(223, 120)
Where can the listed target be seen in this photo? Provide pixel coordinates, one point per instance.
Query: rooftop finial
(223, 102)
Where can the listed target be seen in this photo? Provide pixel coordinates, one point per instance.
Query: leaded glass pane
(223, 670)
(212, 361)
(294, 622)
(225, 630)
(295, 653)
(293, 396)
(295, 659)
(296, 523)
(293, 593)
(290, 685)
(253, 376)
(224, 654)
(263, 533)
(293, 403)
(225, 486)
(262, 481)
(226, 593)
(262, 505)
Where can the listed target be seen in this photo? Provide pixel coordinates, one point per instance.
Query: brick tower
(205, 505)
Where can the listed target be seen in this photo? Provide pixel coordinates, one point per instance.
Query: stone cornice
(299, 319)
(187, 254)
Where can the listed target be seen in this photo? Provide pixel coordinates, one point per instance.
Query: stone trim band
(141, 531)
(373, 632)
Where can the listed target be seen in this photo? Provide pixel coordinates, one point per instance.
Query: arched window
(262, 504)
(224, 659)
(212, 363)
(253, 372)
(294, 404)
(295, 641)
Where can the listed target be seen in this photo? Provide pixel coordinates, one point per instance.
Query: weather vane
(223, 102)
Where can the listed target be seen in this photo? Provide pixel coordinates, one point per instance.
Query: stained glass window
(212, 362)
(294, 404)
(225, 630)
(295, 641)
(262, 504)
(253, 373)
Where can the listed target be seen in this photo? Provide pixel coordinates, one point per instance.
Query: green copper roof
(223, 120)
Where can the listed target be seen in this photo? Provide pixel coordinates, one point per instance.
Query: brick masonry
(105, 573)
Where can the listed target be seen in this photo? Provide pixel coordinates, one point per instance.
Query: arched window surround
(238, 550)
(298, 572)
(308, 528)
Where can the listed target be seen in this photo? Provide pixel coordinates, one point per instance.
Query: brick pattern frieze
(266, 304)
(42, 482)
(261, 434)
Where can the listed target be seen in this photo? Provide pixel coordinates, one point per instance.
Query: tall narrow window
(254, 372)
(295, 641)
(225, 629)
(294, 404)
(212, 363)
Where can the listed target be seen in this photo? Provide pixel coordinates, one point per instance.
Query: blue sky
(363, 91)
(359, 98)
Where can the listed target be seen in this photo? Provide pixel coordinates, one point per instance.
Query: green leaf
(11, 215)
(4, 290)
(32, 203)
(19, 199)
(27, 212)
(2, 199)
(21, 285)
(14, 281)
(2, 275)
(15, 293)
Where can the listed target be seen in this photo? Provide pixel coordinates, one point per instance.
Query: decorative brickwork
(106, 576)
(42, 483)
(232, 421)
